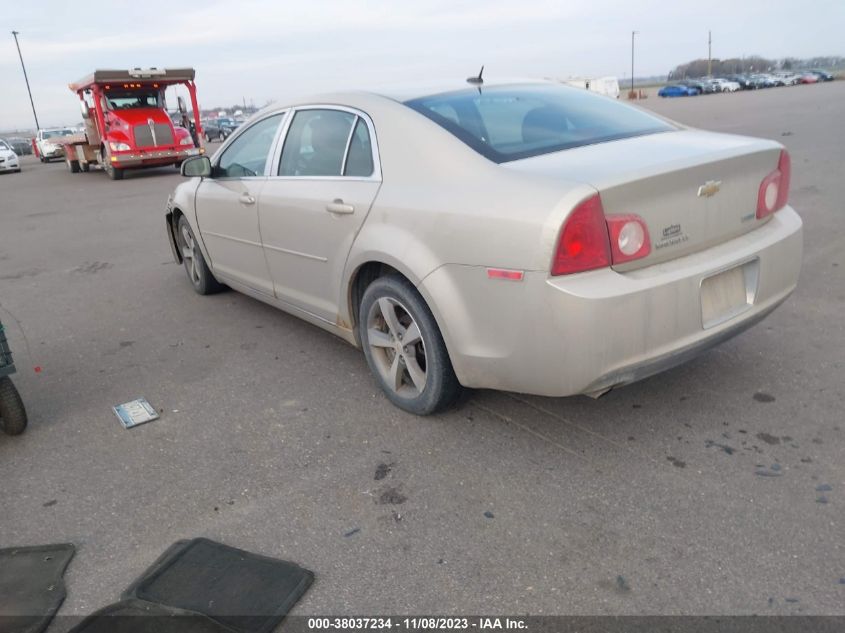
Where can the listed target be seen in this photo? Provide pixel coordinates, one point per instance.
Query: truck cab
(126, 121)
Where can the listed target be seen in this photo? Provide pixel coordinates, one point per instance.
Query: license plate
(727, 294)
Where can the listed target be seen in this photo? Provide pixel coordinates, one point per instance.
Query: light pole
(633, 33)
(26, 79)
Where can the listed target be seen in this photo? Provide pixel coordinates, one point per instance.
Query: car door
(227, 210)
(326, 178)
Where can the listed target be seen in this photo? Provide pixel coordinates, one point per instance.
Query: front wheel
(12, 412)
(199, 274)
(404, 347)
(115, 173)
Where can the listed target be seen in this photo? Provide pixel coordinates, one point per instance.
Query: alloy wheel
(397, 347)
(189, 255)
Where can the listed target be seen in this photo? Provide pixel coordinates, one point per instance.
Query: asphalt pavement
(715, 488)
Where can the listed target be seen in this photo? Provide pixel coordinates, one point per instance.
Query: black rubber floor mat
(137, 616)
(31, 586)
(243, 591)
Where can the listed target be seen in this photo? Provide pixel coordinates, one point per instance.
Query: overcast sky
(268, 50)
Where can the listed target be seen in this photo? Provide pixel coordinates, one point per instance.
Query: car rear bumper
(589, 332)
(130, 160)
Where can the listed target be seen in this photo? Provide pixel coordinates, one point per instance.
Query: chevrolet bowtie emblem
(709, 188)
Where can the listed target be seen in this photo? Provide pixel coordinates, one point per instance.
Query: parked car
(726, 85)
(46, 142)
(788, 78)
(823, 75)
(700, 86)
(8, 158)
(676, 90)
(211, 131)
(219, 128)
(538, 239)
(21, 146)
(744, 81)
(808, 78)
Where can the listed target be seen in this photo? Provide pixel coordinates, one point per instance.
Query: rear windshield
(511, 122)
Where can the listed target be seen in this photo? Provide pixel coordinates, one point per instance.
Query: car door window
(316, 143)
(359, 158)
(247, 155)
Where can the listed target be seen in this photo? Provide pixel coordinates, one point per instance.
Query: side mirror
(181, 105)
(84, 108)
(196, 166)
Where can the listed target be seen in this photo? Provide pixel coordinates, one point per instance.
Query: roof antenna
(476, 80)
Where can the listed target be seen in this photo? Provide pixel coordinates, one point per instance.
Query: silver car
(528, 237)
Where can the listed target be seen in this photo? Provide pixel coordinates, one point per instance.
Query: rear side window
(359, 159)
(511, 122)
(316, 143)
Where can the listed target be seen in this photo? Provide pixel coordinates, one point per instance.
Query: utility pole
(709, 55)
(633, 33)
(26, 79)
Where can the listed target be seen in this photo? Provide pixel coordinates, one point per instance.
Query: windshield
(512, 122)
(57, 133)
(3, 145)
(131, 100)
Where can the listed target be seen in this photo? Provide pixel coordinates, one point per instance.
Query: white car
(49, 145)
(726, 85)
(9, 161)
(789, 79)
(528, 237)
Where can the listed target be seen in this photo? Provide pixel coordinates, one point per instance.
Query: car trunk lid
(693, 189)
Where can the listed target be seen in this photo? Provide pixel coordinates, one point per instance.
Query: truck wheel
(72, 165)
(85, 166)
(12, 411)
(115, 173)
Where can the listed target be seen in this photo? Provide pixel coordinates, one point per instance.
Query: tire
(201, 278)
(85, 166)
(41, 158)
(12, 412)
(115, 173)
(221, 137)
(72, 165)
(207, 137)
(417, 378)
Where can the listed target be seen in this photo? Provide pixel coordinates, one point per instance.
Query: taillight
(583, 243)
(628, 238)
(774, 190)
(591, 240)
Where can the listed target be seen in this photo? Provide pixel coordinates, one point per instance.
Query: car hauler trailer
(126, 121)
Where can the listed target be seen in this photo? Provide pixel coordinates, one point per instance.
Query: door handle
(339, 206)
(246, 199)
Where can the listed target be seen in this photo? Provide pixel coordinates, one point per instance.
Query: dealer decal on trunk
(671, 235)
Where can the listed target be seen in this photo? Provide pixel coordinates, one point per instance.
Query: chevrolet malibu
(528, 237)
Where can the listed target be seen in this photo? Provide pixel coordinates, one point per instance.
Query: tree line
(753, 64)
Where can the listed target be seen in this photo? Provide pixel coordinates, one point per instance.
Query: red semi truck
(126, 121)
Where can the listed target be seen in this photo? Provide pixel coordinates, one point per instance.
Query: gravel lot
(274, 438)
